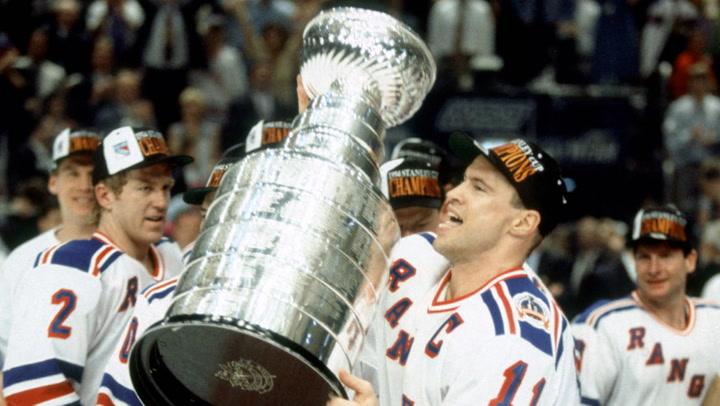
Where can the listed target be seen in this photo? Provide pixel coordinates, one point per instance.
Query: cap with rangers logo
(231, 156)
(533, 173)
(665, 223)
(74, 141)
(128, 148)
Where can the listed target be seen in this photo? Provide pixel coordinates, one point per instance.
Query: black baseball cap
(127, 148)
(408, 182)
(533, 173)
(230, 157)
(663, 223)
(74, 141)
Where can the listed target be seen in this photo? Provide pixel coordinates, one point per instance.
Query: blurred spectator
(127, 108)
(461, 36)
(665, 32)
(167, 46)
(551, 261)
(226, 77)
(43, 76)
(708, 260)
(259, 104)
(68, 43)
(196, 136)
(30, 203)
(691, 131)
(118, 20)
(587, 14)
(708, 200)
(278, 46)
(695, 52)
(615, 56)
(526, 35)
(34, 158)
(96, 88)
(597, 271)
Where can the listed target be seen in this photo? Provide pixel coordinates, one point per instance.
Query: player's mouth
(84, 200)
(453, 220)
(656, 282)
(155, 219)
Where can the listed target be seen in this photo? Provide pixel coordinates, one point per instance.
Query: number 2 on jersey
(68, 300)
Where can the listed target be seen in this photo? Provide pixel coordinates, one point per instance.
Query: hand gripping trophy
(283, 280)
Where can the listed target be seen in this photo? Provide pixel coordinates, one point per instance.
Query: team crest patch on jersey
(122, 148)
(532, 310)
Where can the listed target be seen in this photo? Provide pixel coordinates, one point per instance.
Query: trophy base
(190, 360)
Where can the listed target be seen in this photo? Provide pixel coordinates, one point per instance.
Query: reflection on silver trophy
(285, 275)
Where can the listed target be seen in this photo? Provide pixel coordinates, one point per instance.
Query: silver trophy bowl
(283, 281)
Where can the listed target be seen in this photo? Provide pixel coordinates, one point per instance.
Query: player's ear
(104, 196)
(52, 183)
(526, 223)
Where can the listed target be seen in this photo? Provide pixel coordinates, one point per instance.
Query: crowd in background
(205, 71)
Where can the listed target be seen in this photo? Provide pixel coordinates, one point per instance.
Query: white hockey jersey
(69, 312)
(505, 343)
(20, 260)
(629, 357)
(116, 387)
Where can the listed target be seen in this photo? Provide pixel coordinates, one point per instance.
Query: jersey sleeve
(507, 370)
(50, 335)
(599, 367)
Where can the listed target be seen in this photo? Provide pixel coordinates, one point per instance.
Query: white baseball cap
(128, 148)
(74, 141)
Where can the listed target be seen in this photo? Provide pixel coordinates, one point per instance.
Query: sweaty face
(415, 220)
(72, 184)
(141, 206)
(479, 214)
(662, 270)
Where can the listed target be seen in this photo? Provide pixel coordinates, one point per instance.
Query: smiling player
(657, 346)
(70, 310)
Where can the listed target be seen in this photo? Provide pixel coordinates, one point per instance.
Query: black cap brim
(197, 195)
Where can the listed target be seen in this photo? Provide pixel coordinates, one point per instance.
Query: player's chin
(153, 232)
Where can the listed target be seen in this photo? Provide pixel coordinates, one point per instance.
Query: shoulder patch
(92, 256)
(518, 307)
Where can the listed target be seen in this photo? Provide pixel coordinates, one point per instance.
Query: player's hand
(364, 393)
(302, 97)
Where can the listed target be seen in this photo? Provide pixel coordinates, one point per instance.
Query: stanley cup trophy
(284, 278)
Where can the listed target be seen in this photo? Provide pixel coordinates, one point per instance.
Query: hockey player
(116, 388)
(71, 309)
(658, 345)
(71, 181)
(462, 321)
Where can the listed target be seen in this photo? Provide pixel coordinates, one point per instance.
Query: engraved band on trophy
(283, 280)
